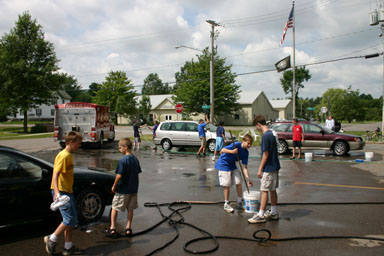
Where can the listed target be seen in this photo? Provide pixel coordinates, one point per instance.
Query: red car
(315, 137)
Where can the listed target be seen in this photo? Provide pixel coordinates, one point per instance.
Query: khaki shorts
(226, 179)
(269, 181)
(203, 140)
(122, 202)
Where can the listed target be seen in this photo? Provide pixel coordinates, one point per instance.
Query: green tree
(71, 86)
(28, 67)
(301, 74)
(145, 106)
(118, 94)
(192, 87)
(93, 88)
(154, 86)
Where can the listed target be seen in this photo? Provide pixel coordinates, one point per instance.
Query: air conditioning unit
(380, 14)
(373, 18)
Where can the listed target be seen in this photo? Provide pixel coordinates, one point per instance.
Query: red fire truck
(92, 121)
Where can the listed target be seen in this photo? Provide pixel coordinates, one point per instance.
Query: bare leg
(239, 190)
(273, 198)
(299, 152)
(68, 234)
(129, 219)
(293, 152)
(226, 193)
(264, 200)
(113, 218)
(60, 229)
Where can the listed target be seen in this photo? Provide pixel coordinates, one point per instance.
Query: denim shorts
(68, 211)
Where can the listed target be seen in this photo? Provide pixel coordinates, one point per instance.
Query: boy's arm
(262, 164)
(229, 151)
(246, 174)
(207, 119)
(55, 179)
(117, 179)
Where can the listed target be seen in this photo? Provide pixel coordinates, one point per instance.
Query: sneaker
(198, 155)
(256, 219)
(73, 251)
(269, 216)
(240, 205)
(228, 208)
(49, 245)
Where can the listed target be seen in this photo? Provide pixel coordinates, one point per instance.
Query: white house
(45, 111)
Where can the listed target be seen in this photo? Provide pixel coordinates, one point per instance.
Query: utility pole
(211, 69)
(377, 17)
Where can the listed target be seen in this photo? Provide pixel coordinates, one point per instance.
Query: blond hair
(72, 136)
(126, 142)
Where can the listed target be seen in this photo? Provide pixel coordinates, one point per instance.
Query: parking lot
(330, 196)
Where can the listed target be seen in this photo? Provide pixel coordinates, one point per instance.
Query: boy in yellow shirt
(62, 183)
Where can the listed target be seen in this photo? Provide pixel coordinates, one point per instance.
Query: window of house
(168, 117)
(150, 117)
(52, 112)
(38, 112)
(237, 116)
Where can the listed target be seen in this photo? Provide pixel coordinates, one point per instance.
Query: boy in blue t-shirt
(201, 131)
(220, 139)
(228, 173)
(125, 187)
(268, 173)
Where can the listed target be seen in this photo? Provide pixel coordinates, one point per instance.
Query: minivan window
(177, 127)
(191, 127)
(165, 126)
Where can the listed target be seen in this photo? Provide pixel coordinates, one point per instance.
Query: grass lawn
(11, 133)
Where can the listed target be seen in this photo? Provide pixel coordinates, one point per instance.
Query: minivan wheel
(211, 145)
(282, 147)
(166, 144)
(340, 148)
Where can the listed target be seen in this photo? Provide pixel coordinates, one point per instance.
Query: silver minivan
(184, 134)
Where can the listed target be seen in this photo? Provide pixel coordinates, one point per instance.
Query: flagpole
(294, 65)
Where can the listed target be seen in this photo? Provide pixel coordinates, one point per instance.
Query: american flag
(289, 24)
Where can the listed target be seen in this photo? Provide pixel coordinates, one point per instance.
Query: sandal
(128, 232)
(111, 233)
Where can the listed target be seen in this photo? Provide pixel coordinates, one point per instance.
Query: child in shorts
(125, 187)
(228, 173)
(62, 184)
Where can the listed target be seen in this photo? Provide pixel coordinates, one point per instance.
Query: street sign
(310, 108)
(324, 110)
(206, 106)
(179, 108)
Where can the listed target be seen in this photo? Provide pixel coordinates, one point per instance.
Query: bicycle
(373, 136)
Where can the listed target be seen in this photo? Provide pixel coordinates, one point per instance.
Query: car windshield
(326, 129)
(212, 127)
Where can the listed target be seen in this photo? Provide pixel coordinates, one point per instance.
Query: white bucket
(368, 156)
(308, 157)
(251, 201)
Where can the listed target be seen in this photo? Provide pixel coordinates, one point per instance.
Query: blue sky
(93, 37)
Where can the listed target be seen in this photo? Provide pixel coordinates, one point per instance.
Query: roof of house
(156, 100)
(280, 103)
(64, 95)
(249, 97)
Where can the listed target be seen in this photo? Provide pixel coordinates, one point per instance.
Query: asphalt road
(330, 196)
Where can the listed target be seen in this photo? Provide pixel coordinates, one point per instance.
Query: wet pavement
(330, 196)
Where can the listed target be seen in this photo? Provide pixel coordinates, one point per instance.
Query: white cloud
(93, 37)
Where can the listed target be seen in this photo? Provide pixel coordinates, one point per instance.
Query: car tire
(282, 147)
(340, 148)
(211, 145)
(90, 205)
(166, 144)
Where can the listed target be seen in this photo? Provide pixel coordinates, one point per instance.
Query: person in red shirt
(298, 137)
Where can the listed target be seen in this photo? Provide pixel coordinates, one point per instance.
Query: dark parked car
(316, 136)
(25, 189)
